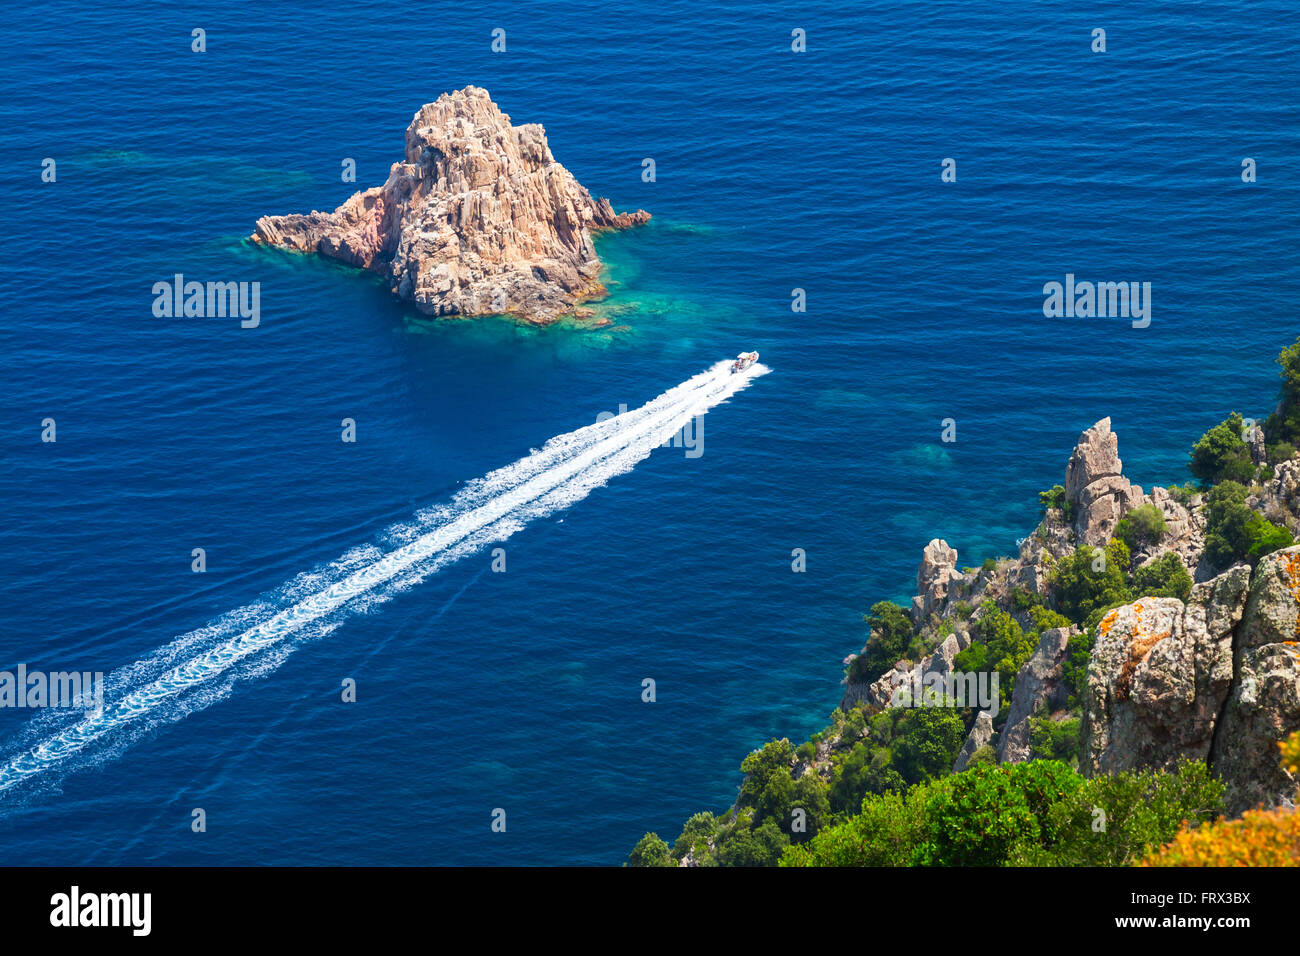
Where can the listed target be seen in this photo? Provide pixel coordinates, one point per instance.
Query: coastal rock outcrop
(1037, 683)
(1184, 532)
(1160, 674)
(934, 579)
(1265, 703)
(477, 219)
(879, 694)
(1095, 485)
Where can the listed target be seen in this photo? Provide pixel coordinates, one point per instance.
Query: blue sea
(521, 691)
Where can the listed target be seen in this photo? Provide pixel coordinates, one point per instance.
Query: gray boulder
(1036, 683)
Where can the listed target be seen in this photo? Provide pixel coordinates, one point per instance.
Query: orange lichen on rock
(1139, 647)
(1108, 622)
(1291, 568)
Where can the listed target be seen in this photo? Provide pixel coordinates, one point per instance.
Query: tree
(1222, 454)
(1163, 577)
(695, 837)
(1054, 499)
(891, 633)
(1091, 580)
(650, 851)
(769, 788)
(760, 845)
(811, 795)
(1236, 533)
(928, 743)
(1282, 428)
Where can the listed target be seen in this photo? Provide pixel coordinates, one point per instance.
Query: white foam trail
(200, 668)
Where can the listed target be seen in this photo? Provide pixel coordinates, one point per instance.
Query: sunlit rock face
(477, 219)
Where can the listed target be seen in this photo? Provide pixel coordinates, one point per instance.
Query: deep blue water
(776, 170)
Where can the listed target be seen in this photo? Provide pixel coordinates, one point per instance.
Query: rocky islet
(477, 219)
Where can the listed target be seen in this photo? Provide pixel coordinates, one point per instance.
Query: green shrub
(1284, 424)
(998, 643)
(1163, 577)
(1036, 813)
(1022, 599)
(1236, 533)
(1045, 619)
(978, 817)
(1279, 452)
(1184, 494)
(1056, 739)
(1138, 810)
(650, 851)
(1074, 669)
(1141, 527)
(1054, 499)
(1222, 454)
(1092, 580)
(891, 633)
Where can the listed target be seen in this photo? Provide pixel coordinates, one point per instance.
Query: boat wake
(202, 667)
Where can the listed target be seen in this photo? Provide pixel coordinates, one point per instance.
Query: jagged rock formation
(1038, 682)
(1213, 678)
(1159, 675)
(879, 694)
(1096, 487)
(477, 219)
(1264, 706)
(1258, 450)
(1216, 679)
(981, 733)
(937, 573)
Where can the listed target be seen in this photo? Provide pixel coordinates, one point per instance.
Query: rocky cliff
(1214, 676)
(477, 219)
(1139, 643)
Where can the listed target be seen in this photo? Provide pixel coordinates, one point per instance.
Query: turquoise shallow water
(775, 171)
